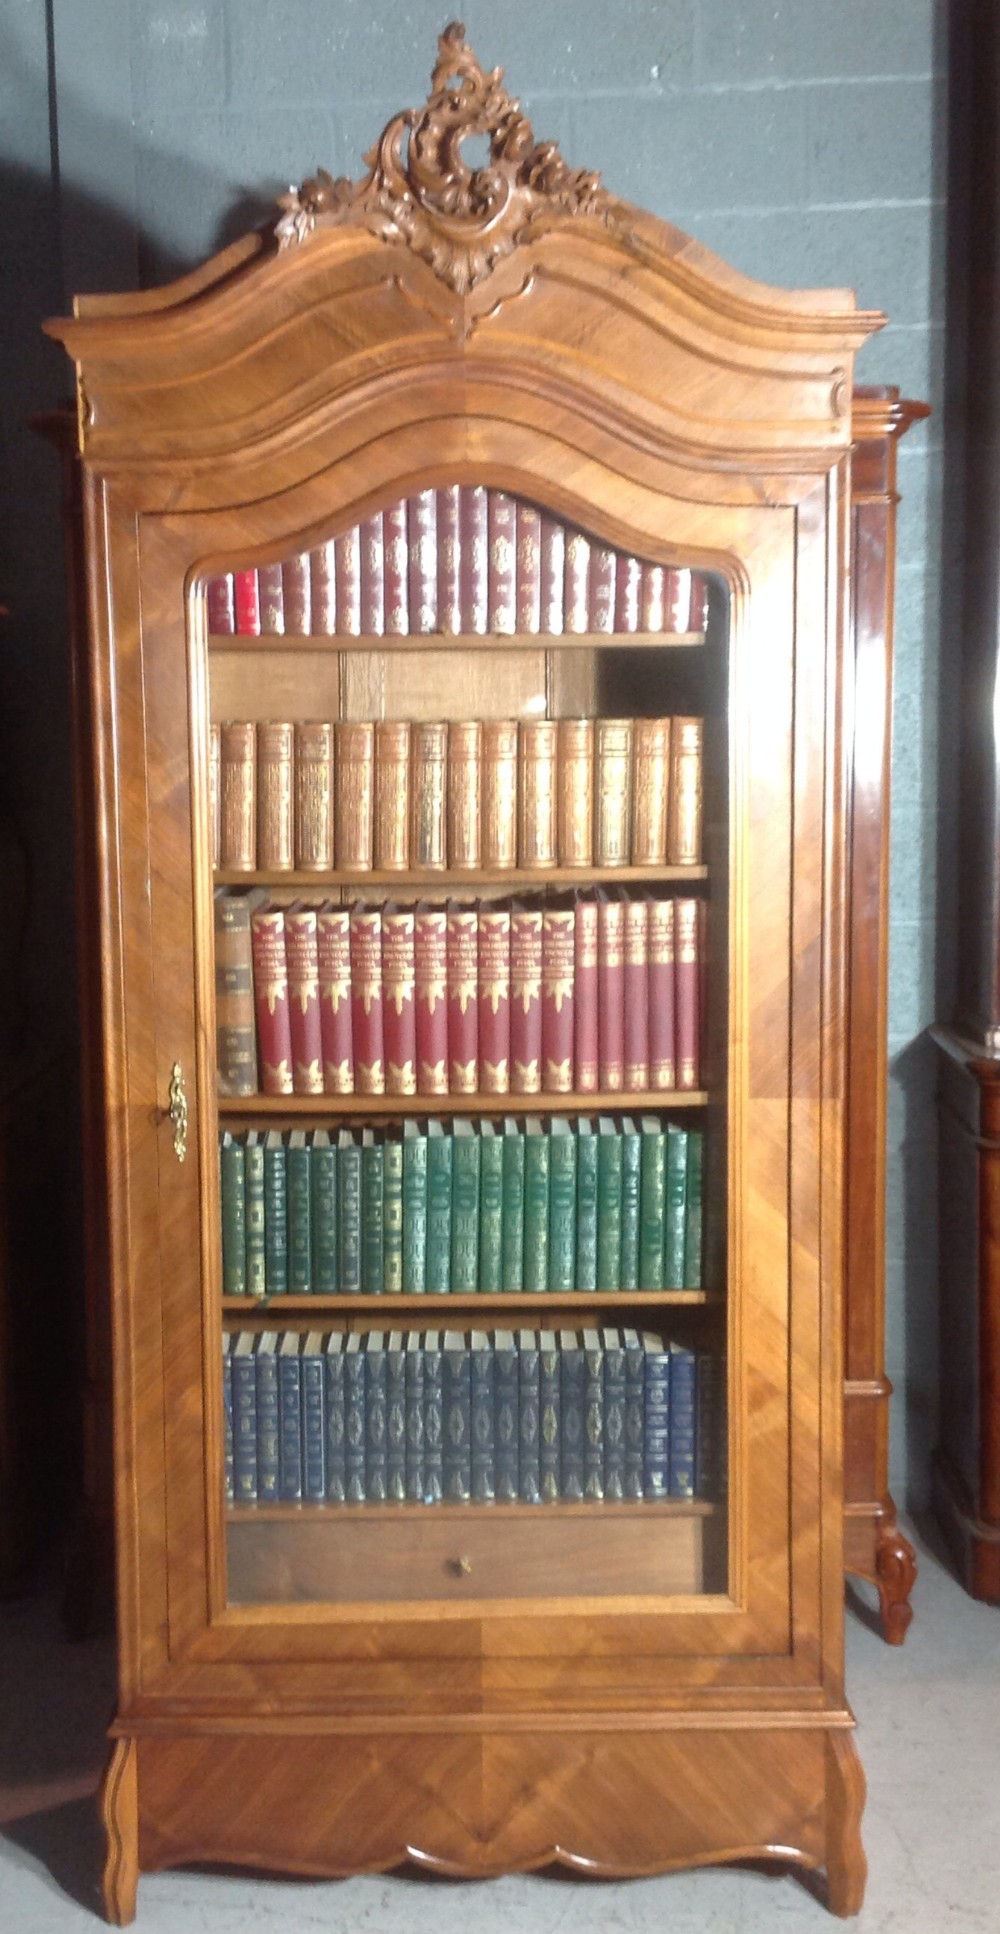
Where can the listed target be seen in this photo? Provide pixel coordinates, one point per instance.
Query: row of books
(587, 993)
(491, 793)
(475, 1208)
(461, 560)
(536, 1416)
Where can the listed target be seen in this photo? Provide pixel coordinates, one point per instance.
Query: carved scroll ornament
(461, 220)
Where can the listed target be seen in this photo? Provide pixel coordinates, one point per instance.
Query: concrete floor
(929, 1718)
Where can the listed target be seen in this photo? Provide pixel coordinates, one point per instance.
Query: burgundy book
(246, 604)
(686, 981)
(463, 999)
(698, 618)
(576, 606)
(558, 974)
(677, 601)
(322, 590)
(372, 542)
(398, 999)
(636, 993)
(270, 986)
(494, 998)
(502, 568)
(431, 965)
(221, 606)
(525, 999)
(585, 1041)
(628, 590)
(473, 566)
(271, 598)
(653, 603)
(396, 553)
(302, 952)
(421, 519)
(610, 991)
(602, 588)
(552, 586)
(366, 1000)
(347, 576)
(662, 995)
(449, 560)
(528, 588)
(296, 592)
(334, 942)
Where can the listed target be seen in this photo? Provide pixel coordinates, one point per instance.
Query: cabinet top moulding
(478, 1104)
(450, 641)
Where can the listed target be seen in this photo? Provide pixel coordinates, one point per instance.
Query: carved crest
(461, 220)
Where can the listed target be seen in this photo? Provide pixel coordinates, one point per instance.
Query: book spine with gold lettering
(601, 596)
(463, 999)
(613, 790)
(662, 1034)
(314, 795)
(585, 1031)
(366, 1000)
(449, 560)
(391, 842)
(238, 774)
(502, 569)
(473, 566)
(558, 977)
(270, 983)
(428, 772)
(464, 771)
(302, 952)
(650, 787)
(246, 603)
(372, 576)
(576, 596)
(431, 991)
(399, 999)
(296, 591)
(628, 591)
(354, 796)
(575, 792)
(636, 973)
(347, 582)
(678, 601)
(275, 796)
(528, 592)
(698, 617)
(396, 569)
(611, 991)
(333, 936)
(499, 794)
(272, 602)
(421, 518)
(215, 792)
(653, 606)
(220, 606)
(235, 1033)
(552, 576)
(494, 998)
(686, 974)
(684, 811)
(525, 999)
(536, 793)
(323, 590)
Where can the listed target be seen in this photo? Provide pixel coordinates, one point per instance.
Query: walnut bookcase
(343, 1690)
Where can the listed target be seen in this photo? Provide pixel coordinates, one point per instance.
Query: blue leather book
(395, 1417)
(593, 1415)
(244, 1383)
(313, 1418)
(549, 1417)
(349, 1212)
(300, 1256)
(354, 1418)
(683, 1400)
(266, 1363)
(229, 1485)
(505, 1415)
(289, 1419)
(376, 1418)
(614, 1414)
(656, 1458)
(481, 1378)
(529, 1461)
(336, 1423)
(433, 1418)
(571, 1385)
(414, 1379)
(635, 1414)
(456, 1416)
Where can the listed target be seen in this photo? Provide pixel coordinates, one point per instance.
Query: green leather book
(414, 1209)
(512, 1246)
(256, 1255)
(232, 1185)
(439, 1188)
(631, 1178)
(536, 1206)
(562, 1206)
(465, 1208)
(275, 1213)
(692, 1210)
(299, 1171)
(490, 1207)
(586, 1206)
(652, 1182)
(392, 1217)
(609, 1204)
(349, 1216)
(324, 1215)
(372, 1211)
(676, 1199)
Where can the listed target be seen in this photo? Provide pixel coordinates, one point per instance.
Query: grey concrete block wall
(804, 141)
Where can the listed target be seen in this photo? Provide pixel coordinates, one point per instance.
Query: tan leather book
(536, 794)
(392, 795)
(685, 811)
(275, 814)
(575, 792)
(238, 814)
(650, 787)
(613, 788)
(354, 791)
(314, 795)
(428, 756)
(464, 774)
(499, 794)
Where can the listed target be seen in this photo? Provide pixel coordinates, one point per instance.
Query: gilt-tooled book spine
(296, 591)
(302, 955)
(336, 1438)
(683, 1409)
(392, 1215)
(366, 1000)
(473, 564)
(275, 1213)
(235, 1031)
(576, 606)
(372, 1215)
(465, 1208)
(428, 794)
(552, 576)
(229, 1461)
(215, 792)
(635, 1415)
(318, 601)
(414, 1382)
(613, 791)
(536, 1207)
(652, 1203)
(395, 1418)
(687, 990)
(270, 978)
(675, 1204)
(586, 1040)
(376, 1417)
(609, 1204)
(431, 995)
(275, 811)
(512, 1248)
(449, 561)
(678, 601)
(246, 602)
(399, 999)
(347, 577)
(333, 937)
(270, 593)
(324, 1214)
(586, 1207)
(494, 998)
(602, 588)
(558, 1006)
(433, 1418)
(528, 590)
(636, 993)
(562, 1206)
(414, 1210)
(268, 1453)
(693, 1209)
(656, 1434)
(481, 1424)
(349, 1213)
(506, 1425)
(614, 1415)
(698, 617)
(502, 569)
(256, 1233)
(529, 1444)
(221, 609)
(631, 1188)
(575, 792)
(463, 999)
(536, 794)
(593, 1416)
(355, 1446)
(372, 548)
(628, 592)
(526, 999)
(571, 1393)
(650, 783)
(490, 1208)
(464, 795)
(313, 1419)
(549, 1417)
(238, 810)
(314, 795)
(391, 839)
(354, 794)
(421, 511)
(439, 1204)
(653, 605)
(611, 992)
(662, 1042)
(232, 1187)
(243, 1372)
(456, 1417)
(498, 816)
(289, 1420)
(685, 812)
(300, 1251)
(396, 553)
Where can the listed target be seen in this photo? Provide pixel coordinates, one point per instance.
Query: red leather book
(610, 991)
(677, 599)
(473, 566)
(421, 519)
(528, 591)
(662, 996)
(221, 607)
(602, 588)
(302, 953)
(270, 986)
(558, 973)
(372, 576)
(494, 998)
(449, 560)
(585, 1039)
(686, 980)
(699, 601)
(322, 590)
(399, 999)
(296, 593)
(653, 604)
(347, 574)
(271, 598)
(333, 927)
(396, 570)
(636, 993)
(366, 1000)
(463, 999)
(552, 587)
(525, 999)
(502, 568)
(628, 590)
(431, 988)
(246, 604)
(576, 596)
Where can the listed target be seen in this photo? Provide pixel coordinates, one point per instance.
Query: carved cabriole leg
(120, 1816)
(895, 1577)
(846, 1866)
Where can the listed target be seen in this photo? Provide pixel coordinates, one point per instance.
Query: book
(684, 814)
(571, 1403)
(536, 794)
(253, 1150)
(693, 1209)
(562, 1206)
(628, 588)
(609, 1204)
(601, 588)
(428, 761)
(215, 791)
(243, 1383)
(399, 1023)
(275, 1213)
(585, 1273)
(677, 598)
(502, 566)
(463, 998)
(220, 606)
(324, 1214)
(456, 1417)
(314, 846)
(355, 1423)
(275, 807)
(439, 1209)
(490, 1209)
(494, 997)
(662, 1036)
(421, 514)
(699, 612)
(653, 607)
(612, 791)
(549, 1417)
(449, 547)
(298, 1169)
(576, 596)
(270, 980)
(528, 1420)
(396, 570)
(372, 1216)
(498, 810)
(347, 582)
(683, 1400)
(232, 1191)
(525, 998)
(290, 1487)
(675, 1200)
(631, 1191)
(349, 1212)
(372, 552)
(610, 991)
(430, 943)
(506, 1416)
(395, 1417)
(268, 1427)
(374, 1357)
(228, 1457)
(593, 1416)
(575, 792)
(313, 1374)
(528, 590)
(686, 993)
(512, 1239)
(270, 597)
(238, 810)
(536, 1206)
(433, 1417)
(464, 780)
(552, 575)
(558, 955)
(311, 593)
(636, 977)
(652, 1202)
(656, 1432)
(414, 1209)
(635, 1414)
(246, 603)
(235, 1029)
(305, 1026)
(336, 1421)
(465, 1208)
(366, 1000)
(414, 1386)
(615, 1398)
(391, 831)
(473, 568)
(650, 789)
(354, 790)
(586, 1039)
(333, 945)
(481, 1418)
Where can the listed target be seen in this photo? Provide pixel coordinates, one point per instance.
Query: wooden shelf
(582, 1508)
(468, 641)
(364, 1106)
(484, 1300)
(519, 877)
